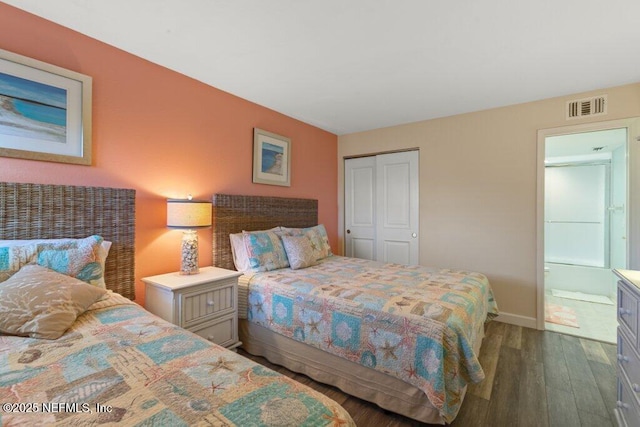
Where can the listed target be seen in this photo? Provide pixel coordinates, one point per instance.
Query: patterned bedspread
(120, 364)
(416, 323)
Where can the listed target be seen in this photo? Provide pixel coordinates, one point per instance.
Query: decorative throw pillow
(38, 302)
(79, 258)
(106, 245)
(13, 258)
(299, 251)
(318, 236)
(14, 254)
(239, 250)
(265, 251)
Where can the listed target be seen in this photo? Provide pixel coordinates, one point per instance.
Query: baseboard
(515, 319)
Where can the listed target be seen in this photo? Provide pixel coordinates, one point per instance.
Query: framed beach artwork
(45, 111)
(271, 158)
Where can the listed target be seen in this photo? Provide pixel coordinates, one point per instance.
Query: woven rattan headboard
(232, 214)
(43, 211)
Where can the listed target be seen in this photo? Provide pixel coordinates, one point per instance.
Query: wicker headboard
(43, 211)
(233, 214)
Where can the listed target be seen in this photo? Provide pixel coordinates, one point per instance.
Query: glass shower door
(576, 216)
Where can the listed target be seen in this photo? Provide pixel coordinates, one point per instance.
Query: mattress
(419, 325)
(119, 363)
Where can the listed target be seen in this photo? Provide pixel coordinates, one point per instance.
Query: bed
(365, 327)
(117, 363)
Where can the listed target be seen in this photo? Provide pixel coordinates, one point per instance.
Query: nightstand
(203, 303)
(628, 404)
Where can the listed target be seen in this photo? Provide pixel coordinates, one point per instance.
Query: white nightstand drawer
(628, 359)
(206, 304)
(627, 404)
(628, 311)
(222, 331)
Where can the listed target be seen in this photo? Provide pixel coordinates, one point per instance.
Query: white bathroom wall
(618, 208)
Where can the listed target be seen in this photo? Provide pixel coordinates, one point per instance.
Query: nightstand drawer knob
(624, 311)
(210, 303)
(635, 387)
(211, 338)
(622, 405)
(622, 358)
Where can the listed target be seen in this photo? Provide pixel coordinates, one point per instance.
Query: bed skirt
(388, 392)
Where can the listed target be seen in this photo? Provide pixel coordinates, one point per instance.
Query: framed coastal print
(271, 158)
(45, 111)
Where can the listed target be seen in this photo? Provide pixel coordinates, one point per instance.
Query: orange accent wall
(165, 135)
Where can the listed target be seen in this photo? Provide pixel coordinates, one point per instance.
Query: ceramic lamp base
(189, 261)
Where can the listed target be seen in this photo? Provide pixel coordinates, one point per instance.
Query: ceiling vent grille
(594, 106)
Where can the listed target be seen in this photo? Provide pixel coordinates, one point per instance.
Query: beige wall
(478, 177)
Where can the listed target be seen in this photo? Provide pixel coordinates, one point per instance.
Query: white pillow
(239, 251)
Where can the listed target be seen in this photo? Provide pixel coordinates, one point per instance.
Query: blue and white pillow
(264, 251)
(239, 249)
(79, 258)
(83, 259)
(13, 258)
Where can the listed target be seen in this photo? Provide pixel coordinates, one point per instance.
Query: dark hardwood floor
(533, 378)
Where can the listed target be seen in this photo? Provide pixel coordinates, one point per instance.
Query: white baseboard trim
(516, 319)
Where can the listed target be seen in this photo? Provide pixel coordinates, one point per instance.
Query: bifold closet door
(360, 207)
(381, 207)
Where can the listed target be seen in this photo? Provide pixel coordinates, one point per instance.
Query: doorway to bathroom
(585, 167)
(585, 230)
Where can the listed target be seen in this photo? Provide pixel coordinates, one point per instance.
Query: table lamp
(189, 215)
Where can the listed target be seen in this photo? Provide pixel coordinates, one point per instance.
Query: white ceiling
(353, 65)
(585, 143)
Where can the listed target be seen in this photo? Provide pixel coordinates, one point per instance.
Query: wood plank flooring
(533, 378)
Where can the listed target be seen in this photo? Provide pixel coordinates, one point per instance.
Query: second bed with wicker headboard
(269, 295)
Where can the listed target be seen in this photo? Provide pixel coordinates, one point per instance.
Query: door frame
(633, 184)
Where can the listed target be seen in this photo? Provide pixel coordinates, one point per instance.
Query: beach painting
(32, 110)
(271, 158)
(45, 111)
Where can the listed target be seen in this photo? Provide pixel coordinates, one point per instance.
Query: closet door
(397, 208)
(360, 207)
(381, 207)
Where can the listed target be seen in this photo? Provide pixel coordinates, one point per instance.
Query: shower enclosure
(585, 214)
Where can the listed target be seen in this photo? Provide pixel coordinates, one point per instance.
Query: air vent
(587, 107)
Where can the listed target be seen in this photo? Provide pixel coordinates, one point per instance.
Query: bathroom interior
(585, 231)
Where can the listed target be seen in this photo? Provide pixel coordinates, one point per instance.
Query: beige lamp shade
(188, 214)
